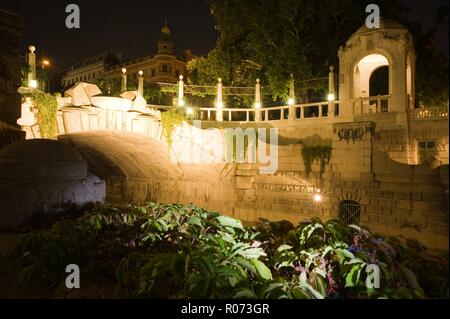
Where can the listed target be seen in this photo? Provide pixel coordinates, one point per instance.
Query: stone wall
(365, 167)
(10, 67)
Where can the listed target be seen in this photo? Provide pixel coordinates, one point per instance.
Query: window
(153, 72)
(165, 69)
(177, 73)
(350, 212)
(427, 149)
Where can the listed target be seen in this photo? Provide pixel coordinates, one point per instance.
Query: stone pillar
(331, 92)
(124, 80)
(258, 101)
(219, 112)
(141, 84)
(291, 101)
(181, 91)
(32, 67)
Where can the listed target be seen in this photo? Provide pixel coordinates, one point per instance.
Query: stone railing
(275, 113)
(371, 104)
(429, 113)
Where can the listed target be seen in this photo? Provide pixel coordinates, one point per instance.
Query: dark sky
(132, 27)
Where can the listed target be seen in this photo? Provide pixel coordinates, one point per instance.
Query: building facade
(162, 66)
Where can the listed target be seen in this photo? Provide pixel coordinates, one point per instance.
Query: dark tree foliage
(270, 39)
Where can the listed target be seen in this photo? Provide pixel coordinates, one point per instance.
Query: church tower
(165, 44)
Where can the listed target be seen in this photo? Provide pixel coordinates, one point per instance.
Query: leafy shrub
(194, 253)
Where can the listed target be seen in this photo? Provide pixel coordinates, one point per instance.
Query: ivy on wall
(322, 154)
(170, 120)
(47, 108)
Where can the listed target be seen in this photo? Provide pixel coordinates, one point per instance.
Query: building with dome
(162, 66)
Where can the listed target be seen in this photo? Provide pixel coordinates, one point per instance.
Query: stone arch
(394, 42)
(363, 69)
(137, 168)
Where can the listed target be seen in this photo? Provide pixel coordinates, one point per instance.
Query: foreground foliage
(175, 251)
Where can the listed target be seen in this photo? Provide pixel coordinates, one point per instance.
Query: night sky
(132, 27)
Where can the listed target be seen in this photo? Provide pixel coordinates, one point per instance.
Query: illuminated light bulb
(257, 105)
(317, 198)
(180, 102)
(124, 70)
(141, 73)
(33, 84)
(189, 110)
(291, 101)
(219, 104)
(330, 97)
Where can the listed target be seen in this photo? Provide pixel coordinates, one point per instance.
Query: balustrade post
(181, 91)
(124, 80)
(219, 103)
(141, 83)
(258, 101)
(331, 92)
(291, 102)
(32, 67)
(379, 106)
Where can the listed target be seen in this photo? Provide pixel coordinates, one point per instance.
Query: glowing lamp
(141, 73)
(180, 102)
(317, 198)
(291, 101)
(257, 105)
(33, 84)
(124, 70)
(189, 111)
(220, 105)
(330, 97)
(46, 62)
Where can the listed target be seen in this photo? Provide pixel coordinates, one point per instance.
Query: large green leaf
(261, 269)
(227, 221)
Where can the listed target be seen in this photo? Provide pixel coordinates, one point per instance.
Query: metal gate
(350, 212)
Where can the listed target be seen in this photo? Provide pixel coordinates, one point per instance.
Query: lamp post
(46, 81)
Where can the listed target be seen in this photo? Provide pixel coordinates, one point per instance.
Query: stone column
(181, 91)
(141, 84)
(258, 101)
(331, 92)
(219, 112)
(32, 83)
(124, 80)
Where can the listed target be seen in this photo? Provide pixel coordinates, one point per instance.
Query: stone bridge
(387, 165)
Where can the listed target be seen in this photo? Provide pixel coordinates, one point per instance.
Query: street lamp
(44, 63)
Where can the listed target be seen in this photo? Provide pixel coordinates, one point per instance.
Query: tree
(270, 39)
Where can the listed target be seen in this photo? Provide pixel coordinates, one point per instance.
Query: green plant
(170, 120)
(47, 108)
(195, 253)
(322, 154)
